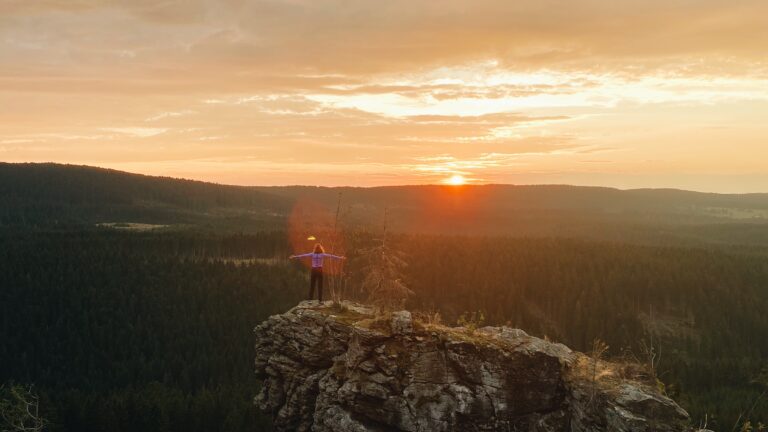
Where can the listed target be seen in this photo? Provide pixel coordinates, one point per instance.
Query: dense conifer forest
(131, 331)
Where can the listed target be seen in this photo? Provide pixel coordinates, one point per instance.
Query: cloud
(480, 167)
(202, 40)
(169, 114)
(139, 132)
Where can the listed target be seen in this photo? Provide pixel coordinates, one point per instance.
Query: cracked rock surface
(330, 368)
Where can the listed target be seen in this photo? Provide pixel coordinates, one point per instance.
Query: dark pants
(316, 278)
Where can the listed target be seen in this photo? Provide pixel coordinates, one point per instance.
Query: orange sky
(621, 93)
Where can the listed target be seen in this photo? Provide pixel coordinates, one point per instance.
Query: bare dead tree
(20, 409)
(650, 351)
(336, 266)
(383, 274)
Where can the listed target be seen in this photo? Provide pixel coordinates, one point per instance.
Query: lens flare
(311, 216)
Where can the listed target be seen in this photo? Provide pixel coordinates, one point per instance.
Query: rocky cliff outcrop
(332, 368)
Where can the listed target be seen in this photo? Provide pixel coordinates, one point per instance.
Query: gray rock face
(326, 368)
(402, 323)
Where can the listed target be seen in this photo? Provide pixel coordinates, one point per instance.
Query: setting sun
(456, 180)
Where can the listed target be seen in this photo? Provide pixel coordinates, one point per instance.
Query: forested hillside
(51, 195)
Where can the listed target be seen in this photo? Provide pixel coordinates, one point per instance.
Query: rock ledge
(330, 368)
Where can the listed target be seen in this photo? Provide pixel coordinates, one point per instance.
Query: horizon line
(443, 185)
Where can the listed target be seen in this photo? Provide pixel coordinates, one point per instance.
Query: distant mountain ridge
(45, 194)
(51, 194)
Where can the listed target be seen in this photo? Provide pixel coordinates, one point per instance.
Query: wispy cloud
(139, 132)
(481, 167)
(169, 114)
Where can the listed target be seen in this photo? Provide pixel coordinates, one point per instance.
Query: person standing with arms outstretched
(316, 277)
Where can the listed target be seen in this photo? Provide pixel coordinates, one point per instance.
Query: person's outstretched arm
(335, 256)
(300, 256)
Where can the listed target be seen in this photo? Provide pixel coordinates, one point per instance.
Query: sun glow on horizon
(456, 180)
